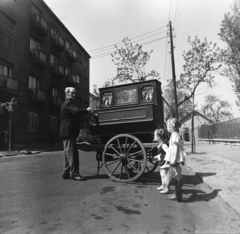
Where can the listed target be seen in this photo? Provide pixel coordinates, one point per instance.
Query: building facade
(39, 58)
(186, 128)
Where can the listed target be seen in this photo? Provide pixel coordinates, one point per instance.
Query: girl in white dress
(175, 157)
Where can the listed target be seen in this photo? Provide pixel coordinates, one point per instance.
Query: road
(35, 199)
(231, 153)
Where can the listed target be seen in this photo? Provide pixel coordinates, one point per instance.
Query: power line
(122, 42)
(109, 53)
(174, 21)
(180, 17)
(100, 51)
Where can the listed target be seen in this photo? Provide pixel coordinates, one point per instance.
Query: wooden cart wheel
(122, 155)
(151, 162)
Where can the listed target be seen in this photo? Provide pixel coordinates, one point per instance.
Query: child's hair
(163, 134)
(174, 123)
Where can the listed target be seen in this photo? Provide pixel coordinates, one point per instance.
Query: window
(67, 71)
(79, 57)
(33, 122)
(53, 59)
(147, 93)
(35, 10)
(85, 62)
(7, 25)
(126, 96)
(107, 99)
(68, 45)
(34, 44)
(79, 79)
(54, 31)
(33, 83)
(53, 124)
(5, 71)
(54, 92)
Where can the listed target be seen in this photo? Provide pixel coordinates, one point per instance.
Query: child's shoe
(165, 190)
(161, 187)
(172, 196)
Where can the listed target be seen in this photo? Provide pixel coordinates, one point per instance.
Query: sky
(100, 24)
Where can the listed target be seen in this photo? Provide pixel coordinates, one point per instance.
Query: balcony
(38, 57)
(39, 25)
(71, 55)
(57, 70)
(57, 42)
(9, 83)
(71, 79)
(37, 95)
(56, 101)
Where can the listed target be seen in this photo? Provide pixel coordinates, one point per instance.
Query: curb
(26, 152)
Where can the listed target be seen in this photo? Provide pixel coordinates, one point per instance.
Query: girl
(161, 136)
(175, 158)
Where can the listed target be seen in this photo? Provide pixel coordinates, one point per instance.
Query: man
(69, 130)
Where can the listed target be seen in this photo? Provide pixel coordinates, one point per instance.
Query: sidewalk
(31, 150)
(220, 174)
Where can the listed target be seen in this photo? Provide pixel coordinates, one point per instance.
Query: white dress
(172, 156)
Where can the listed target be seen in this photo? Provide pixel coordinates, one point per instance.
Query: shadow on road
(195, 195)
(190, 191)
(206, 174)
(96, 177)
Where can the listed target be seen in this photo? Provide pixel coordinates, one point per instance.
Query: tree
(216, 109)
(169, 103)
(200, 61)
(230, 33)
(95, 96)
(130, 61)
(94, 100)
(10, 106)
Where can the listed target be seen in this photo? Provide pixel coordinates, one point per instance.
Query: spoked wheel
(124, 158)
(151, 162)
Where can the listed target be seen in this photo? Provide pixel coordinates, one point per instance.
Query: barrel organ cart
(124, 124)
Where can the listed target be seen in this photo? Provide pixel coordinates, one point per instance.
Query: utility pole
(192, 133)
(173, 70)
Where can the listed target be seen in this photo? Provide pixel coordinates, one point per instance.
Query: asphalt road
(231, 153)
(35, 199)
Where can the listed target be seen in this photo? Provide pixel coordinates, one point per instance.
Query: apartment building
(39, 58)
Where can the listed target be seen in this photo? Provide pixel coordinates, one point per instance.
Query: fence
(225, 130)
(224, 133)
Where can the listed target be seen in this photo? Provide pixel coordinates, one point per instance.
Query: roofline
(65, 28)
(135, 83)
(198, 113)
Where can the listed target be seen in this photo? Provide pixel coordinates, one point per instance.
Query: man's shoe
(66, 176)
(79, 178)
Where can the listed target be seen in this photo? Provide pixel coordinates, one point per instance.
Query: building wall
(15, 37)
(187, 126)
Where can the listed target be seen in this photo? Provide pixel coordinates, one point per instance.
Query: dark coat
(70, 119)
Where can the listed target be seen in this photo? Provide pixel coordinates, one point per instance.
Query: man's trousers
(71, 159)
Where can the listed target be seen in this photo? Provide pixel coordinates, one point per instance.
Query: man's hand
(157, 157)
(89, 109)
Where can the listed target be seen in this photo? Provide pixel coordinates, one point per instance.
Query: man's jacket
(70, 119)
